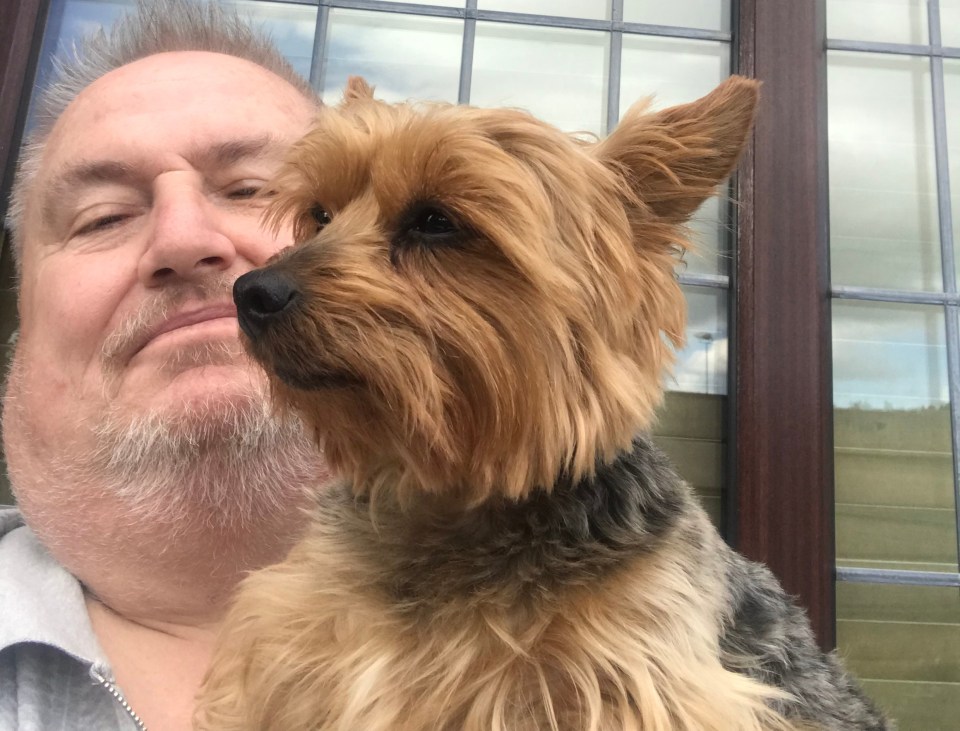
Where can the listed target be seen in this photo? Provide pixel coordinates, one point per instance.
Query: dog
(476, 320)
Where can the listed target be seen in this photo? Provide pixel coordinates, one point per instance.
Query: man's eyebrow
(230, 152)
(84, 173)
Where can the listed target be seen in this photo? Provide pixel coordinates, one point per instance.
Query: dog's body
(474, 324)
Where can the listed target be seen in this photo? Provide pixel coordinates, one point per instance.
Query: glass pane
(593, 9)
(884, 226)
(404, 56)
(702, 364)
(951, 82)
(292, 28)
(903, 643)
(555, 73)
(884, 21)
(690, 429)
(950, 22)
(674, 71)
(894, 469)
(707, 14)
(690, 426)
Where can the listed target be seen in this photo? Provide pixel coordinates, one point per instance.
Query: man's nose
(187, 240)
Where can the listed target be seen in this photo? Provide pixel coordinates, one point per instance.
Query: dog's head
(478, 303)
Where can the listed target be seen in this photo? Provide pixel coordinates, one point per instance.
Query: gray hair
(156, 26)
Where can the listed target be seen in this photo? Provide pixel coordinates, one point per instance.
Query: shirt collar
(40, 601)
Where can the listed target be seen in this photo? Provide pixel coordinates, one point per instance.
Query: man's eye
(101, 223)
(244, 192)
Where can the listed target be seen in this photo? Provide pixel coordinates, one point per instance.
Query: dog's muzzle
(263, 296)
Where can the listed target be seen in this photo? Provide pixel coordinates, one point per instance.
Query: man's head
(134, 212)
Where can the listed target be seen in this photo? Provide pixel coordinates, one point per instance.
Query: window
(894, 83)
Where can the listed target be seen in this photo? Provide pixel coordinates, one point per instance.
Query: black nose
(261, 297)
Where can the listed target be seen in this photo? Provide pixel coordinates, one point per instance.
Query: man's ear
(674, 159)
(356, 89)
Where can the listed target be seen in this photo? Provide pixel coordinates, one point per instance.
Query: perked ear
(674, 159)
(356, 89)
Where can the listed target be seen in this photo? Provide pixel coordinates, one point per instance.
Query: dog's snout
(261, 297)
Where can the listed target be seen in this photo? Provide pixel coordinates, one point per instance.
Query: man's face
(139, 220)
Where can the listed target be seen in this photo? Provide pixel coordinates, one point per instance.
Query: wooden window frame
(783, 405)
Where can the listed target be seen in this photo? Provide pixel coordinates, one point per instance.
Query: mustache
(136, 329)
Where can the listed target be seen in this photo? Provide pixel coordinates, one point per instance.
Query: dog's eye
(320, 216)
(433, 222)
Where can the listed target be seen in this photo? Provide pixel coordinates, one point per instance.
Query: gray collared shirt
(51, 664)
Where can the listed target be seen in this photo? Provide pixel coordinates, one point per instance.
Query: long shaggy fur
(483, 309)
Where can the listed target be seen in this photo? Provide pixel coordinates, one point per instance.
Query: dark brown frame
(782, 425)
(21, 28)
(782, 458)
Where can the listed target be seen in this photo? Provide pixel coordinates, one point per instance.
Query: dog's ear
(675, 158)
(356, 89)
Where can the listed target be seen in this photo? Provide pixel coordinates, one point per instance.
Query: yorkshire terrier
(475, 321)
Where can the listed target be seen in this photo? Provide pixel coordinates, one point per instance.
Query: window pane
(894, 470)
(885, 21)
(593, 9)
(903, 643)
(555, 73)
(702, 364)
(707, 14)
(690, 429)
(292, 27)
(950, 22)
(404, 56)
(884, 226)
(674, 71)
(951, 82)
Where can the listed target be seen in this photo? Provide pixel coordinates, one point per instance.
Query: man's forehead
(213, 85)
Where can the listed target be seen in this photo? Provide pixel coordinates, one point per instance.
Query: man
(149, 470)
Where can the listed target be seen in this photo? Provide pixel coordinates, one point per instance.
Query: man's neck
(158, 666)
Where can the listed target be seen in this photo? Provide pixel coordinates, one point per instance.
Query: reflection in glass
(701, 365)
(404, 56)
(903, 642)
(690, 428)
(706, 14)
(674, 71)
(593, 9)
(883, 21)
(884, 225)
(894, 470)
(555, 73)
(292, 28)
(950, 22)
(951, 82)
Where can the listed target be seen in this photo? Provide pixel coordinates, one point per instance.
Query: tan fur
(458, 396)
(640, 654)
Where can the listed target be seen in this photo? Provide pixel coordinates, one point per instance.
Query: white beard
(235, 464)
